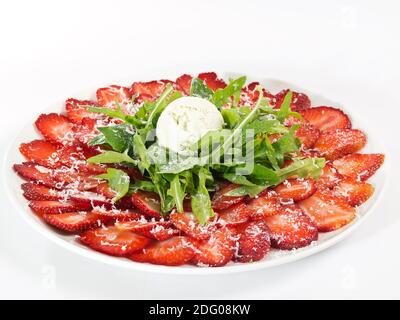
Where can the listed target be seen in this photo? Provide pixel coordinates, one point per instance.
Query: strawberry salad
(197, 171)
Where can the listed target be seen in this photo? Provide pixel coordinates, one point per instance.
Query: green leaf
(177, 192)
(199, 89)
(140, 151)
(119, 137)
(223, 95)
(144, 185)
(231, 117)
(112, 157)
(200, 199)
(98, 140)
(118, 181)
(115, 113)
(159, 106)
(285, 106)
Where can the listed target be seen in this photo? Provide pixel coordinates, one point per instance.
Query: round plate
(274, 258)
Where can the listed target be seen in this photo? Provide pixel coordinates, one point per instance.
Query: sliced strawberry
(33, 172)
(111, 96)
(86, 131)
(254, 241)
(33, 191)
(90, 199)
(148, 203)
(300, 101)
(41, 152)
(338, 143)
(359, 166)
(291, 229)
(143, 225)
(116, 214)
(160, 233)
(212, 81)
(77, 110)
(264, 205)
(184, 83)
(328, 211)
(307, 134)
(175, 251)
(296, 189)
(149, 90)
(355, 192)
(222, 201)
(74, 221)
(329, 177)
(218, 250)
(249, 95)
(54, 207)
(326, 118)
(55, 128)
(234, 215)
(113, 240)
(187, 223)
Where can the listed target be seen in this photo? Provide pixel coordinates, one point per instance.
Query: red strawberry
(338, 143)
(234, 215)
(86, 131)
(105, 190)
(326, 118)
(148, 203)
(142, 225)
(184, 83)
(221, 201)
(90, 199)
(116, 214)
(160, 233)
(55, 128)
(264, 205)
(254, 241)
(328, 211)
(41, 152)
(79, 109)
(359, 166)
(355, 192)
(74, 221)
(249, 94)
(111, 96)
(186, 222)
(113, 240)
(54, 207)
(34, 191)
(291, 229)
(307, 134)
(175, 251)
(329, 177)
(212, 81)
(300, 101)
(218, 250)
(149, 90)
(296, 189)
(36, 173)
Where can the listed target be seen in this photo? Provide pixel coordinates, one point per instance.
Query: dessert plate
(274, 258)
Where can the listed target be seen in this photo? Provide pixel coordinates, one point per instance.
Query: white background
(345, 50)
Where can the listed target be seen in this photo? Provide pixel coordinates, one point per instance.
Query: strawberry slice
(291, 229)
(264, 205)
(296, 189)
(86, 131)
(212, 81)
(74, 221)
(329, 177)
(184, 83)
(116, 214)
(149, 90)
(90, 199)
(175, 251)
(218, 250)
(254, 241)
(112, 95)
(77, 110)
(41, 152)
(307, 134)
(328, 211)
(300, 101)
(234, 215)
(355, 192)
(338, 143)
(326, 118)
(54, 207)
(148, 203)
(55, 128)
(160, 233)
(142, 225)
(33, 172)
(187, 223)
(113, 240)
(249, 95)
(34, 191)
(359, 166)
(221, 201)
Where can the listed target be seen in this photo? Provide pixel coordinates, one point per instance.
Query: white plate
(274, 258)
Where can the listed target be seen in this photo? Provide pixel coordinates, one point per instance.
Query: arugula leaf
(118, 181)
(119, 137)
(200, 199)
(159, 106)
(199, 89)
(98, 140)
(140, 151)
(112, 157)
(286, 144)
(116, 113)
(177, 192)
(144, 185)
(222, 96)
